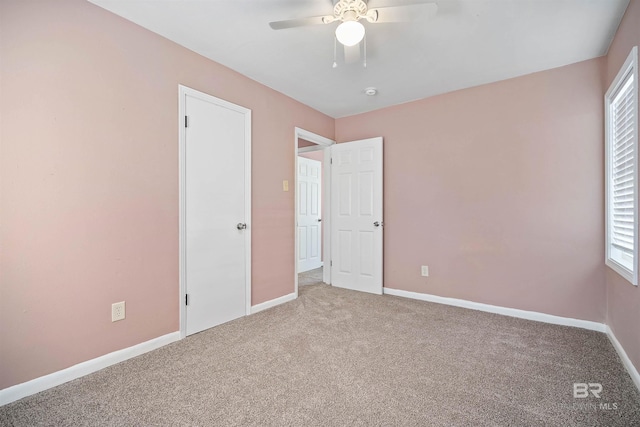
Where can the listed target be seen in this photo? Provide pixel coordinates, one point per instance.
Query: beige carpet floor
(311, 277)
(335, 357)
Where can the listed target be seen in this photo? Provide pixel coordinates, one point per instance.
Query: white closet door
(216, 213)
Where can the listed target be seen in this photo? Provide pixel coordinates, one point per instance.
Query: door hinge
(331, 263)
(186, 299)
(331, 161)
(186, 121)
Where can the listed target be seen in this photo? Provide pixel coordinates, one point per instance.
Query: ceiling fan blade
(406, 13)
(301, 22)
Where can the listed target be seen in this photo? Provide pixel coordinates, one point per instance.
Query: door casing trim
(324, 144)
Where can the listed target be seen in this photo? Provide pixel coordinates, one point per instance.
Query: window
(621, 120)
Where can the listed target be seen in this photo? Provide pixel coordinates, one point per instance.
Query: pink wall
(623, 299)
(313, 155)
(89, 168)
(498, 189)
(304, 143)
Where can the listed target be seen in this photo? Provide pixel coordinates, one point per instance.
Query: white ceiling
(468, 43)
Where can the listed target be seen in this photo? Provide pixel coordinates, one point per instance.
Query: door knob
(378, 224)
(319, 219)
(241, 226)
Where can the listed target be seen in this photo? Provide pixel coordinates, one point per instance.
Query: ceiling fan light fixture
(350, 33)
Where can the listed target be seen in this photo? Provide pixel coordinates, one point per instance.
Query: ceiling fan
(350, 32)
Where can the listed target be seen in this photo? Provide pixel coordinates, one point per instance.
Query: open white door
(356, 215)
(309, 219)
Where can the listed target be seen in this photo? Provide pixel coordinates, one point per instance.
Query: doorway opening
(312, 208)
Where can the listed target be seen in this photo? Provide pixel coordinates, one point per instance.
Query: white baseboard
(513, 312)
(272, 303)
(37, 385)
(633, 372)
(530, 315)
(18, 391)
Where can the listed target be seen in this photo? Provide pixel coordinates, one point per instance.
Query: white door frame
(182, 212)
(324, 144)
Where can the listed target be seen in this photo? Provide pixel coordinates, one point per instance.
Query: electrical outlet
(425, 270)
(117, 311)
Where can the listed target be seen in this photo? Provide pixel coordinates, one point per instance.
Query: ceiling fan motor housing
(350, 10)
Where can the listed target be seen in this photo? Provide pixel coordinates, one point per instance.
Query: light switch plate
(285, 185)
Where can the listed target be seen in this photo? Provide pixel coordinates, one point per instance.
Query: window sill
(622, 271)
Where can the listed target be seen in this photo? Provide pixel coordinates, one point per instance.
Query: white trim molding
(313, 137)
(323, 144)
(272, 303)
(633, 372)
(16, 392)
(529, 315)
(505, 311)
(621, 255)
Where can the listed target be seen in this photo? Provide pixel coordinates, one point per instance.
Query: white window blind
(623, 172)
(621, 118)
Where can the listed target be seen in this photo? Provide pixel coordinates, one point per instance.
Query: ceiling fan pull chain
(365, 51)
(335, 42)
